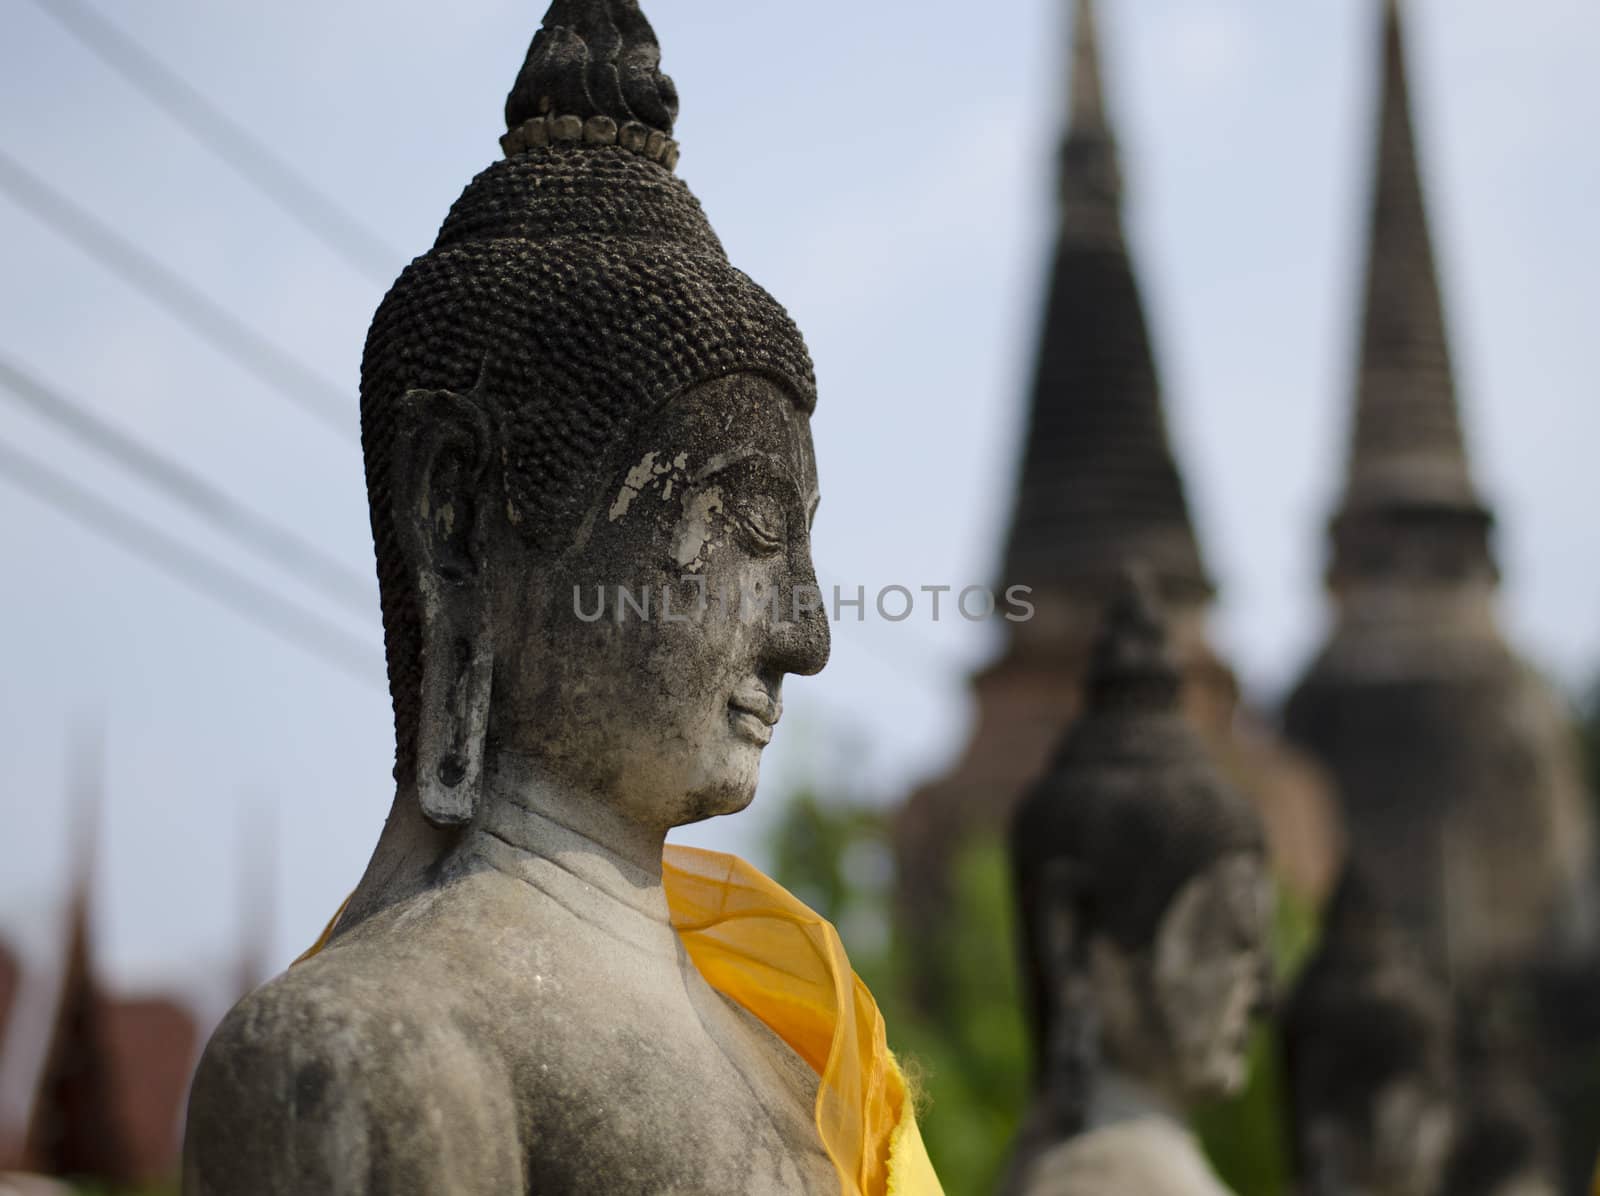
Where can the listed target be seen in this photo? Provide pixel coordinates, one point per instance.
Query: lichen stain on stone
(694, 531)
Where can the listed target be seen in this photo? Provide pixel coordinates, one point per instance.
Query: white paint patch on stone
(694, 532)
(638, 478)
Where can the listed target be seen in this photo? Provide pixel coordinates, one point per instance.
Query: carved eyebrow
(723, 462)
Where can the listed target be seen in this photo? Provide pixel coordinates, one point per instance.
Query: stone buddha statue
(1507, 1142)
(591, 479)
(1369, 1059)
(1145, 902)
(1394, 1088)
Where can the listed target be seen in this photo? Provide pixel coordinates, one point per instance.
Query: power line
(205, 316)
(236, 145)
(265, 608)
(257, 533)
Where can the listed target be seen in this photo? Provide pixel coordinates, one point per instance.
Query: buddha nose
(801, 639)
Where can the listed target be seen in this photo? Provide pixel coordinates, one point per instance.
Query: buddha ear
(442, 456)
(1061, 890)
(1070, 1051)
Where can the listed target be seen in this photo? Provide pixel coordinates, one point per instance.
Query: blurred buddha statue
(1369, 1054)
(1146, 906)
(1509, 1140)
(572, 394)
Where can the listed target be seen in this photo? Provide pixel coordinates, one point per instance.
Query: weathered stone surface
(572, 392)
(1369, 1054)
(528, 1024)
(1143, 1156)
(1145, 904)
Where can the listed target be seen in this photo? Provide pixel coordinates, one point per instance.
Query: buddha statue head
(1144, 892)
(1368, 1046)
(589, 467)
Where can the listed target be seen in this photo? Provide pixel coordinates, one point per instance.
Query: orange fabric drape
(763, 948)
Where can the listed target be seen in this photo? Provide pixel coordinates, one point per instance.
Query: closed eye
(759, 535)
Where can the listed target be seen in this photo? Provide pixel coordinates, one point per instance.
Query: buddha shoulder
(340, 1077)
(1147, 1156)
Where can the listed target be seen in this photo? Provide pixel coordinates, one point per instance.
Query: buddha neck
(1120, 1096)
(532, 828)
(536, 813)
(574, 848)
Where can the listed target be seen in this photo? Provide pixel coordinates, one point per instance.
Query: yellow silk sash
(764, 949)
(761, 947)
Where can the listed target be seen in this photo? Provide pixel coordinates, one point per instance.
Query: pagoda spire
(1408, 453)
(1438, 737)
(73, 1128)
(1099, 486)
(1088, 92)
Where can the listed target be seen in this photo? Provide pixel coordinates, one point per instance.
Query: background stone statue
(573, 391)
(1370, 1059)
(1146, 907)
(1394, 1088)
(1507, 1142)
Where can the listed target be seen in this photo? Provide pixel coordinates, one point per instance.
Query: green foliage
(973, 1067)
(971, 1070)
(1245, 1137)
(969, 1076)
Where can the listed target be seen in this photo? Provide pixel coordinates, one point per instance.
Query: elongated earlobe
(1070, 1053)
(439, 500)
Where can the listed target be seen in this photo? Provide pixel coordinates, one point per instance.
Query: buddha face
(645, 665)
(1374, 1083)
(1212, 969)
(1178, 1014)
(1412, 1123)
(1399, 1149)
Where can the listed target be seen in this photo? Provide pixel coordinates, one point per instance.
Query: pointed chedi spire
(73, 1128)
(1461, 792)
(1088, 98)
(1408, 458)
(1099, 484)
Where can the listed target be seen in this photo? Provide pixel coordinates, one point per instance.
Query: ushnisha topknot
(593, 77)
(575, 288)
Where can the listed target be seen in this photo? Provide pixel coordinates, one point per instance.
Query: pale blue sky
(884, 169)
